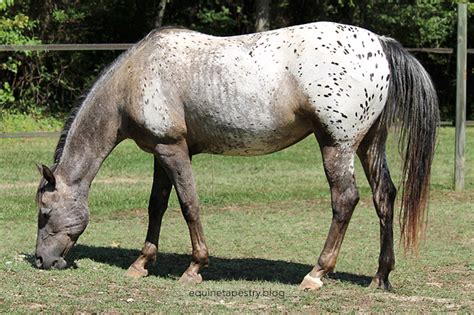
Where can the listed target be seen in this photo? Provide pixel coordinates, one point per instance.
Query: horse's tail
(413, 104)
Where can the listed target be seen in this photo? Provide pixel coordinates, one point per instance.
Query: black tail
(412, 103)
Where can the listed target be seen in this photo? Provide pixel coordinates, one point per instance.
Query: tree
(15, 70)
(262, 13)
(161, 13)
(49, 82)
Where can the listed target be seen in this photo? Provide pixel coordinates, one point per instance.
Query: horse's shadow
(170, 265)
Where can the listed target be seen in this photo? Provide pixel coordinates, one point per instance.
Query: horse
(178, 93)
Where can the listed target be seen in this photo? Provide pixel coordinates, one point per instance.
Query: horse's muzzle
(46, 262)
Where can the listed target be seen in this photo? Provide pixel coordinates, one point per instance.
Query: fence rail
(65, 47)
(124, 46)
(56, 134)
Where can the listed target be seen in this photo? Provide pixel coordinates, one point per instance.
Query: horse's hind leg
(372, 155)
(176, 160)
(157, 206)
(339, 168)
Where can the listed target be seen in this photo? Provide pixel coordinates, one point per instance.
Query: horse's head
(62, 217)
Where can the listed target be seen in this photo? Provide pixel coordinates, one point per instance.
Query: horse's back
(258, 93)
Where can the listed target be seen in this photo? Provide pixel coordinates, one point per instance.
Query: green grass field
(265, 220)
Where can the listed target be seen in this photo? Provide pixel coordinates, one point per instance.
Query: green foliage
(14, 29)
(217, 17)
(41, 83)
(10, 122)
(6, 93)
(212, 17)
(5, 4)
(426, 24)
(50, 82)
(67, 16)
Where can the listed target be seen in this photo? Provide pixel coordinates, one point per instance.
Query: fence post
(461, 77)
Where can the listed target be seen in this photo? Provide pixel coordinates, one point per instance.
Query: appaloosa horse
(178, 93)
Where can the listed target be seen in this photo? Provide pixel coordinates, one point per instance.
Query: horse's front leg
(338, 165)
(157, 206)
(176, 160)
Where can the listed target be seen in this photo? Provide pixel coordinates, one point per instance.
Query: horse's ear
(39, 168)
(47, 174)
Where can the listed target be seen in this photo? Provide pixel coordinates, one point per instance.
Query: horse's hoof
(310, 283)
(190, 278)
(380, 284)
(136, 272)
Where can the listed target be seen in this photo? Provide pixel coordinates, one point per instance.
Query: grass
(12, 122)
(265, 220)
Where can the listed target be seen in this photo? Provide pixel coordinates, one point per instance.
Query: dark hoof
(136, 272)
(190, 278)
(380, 284)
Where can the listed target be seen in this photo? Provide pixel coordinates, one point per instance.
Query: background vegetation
(45, 83)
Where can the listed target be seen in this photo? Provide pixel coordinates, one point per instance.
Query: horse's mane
(64, 133)
(75, 110)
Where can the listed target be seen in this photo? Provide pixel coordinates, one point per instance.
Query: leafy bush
(45, 83)
(14, 29)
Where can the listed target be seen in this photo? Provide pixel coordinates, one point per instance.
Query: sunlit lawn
(265, 220)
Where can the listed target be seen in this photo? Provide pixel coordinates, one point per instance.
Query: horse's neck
(91, 137)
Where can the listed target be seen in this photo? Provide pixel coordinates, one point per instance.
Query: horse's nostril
(39, 261)
(59, 264)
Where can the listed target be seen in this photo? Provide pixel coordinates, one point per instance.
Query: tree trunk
(161, 13)
(262, 11)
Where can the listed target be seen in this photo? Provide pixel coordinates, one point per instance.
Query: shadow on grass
(170, 265)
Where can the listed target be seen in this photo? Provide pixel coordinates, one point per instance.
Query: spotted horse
(178, 93)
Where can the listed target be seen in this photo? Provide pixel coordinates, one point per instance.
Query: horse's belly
(244, 135)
